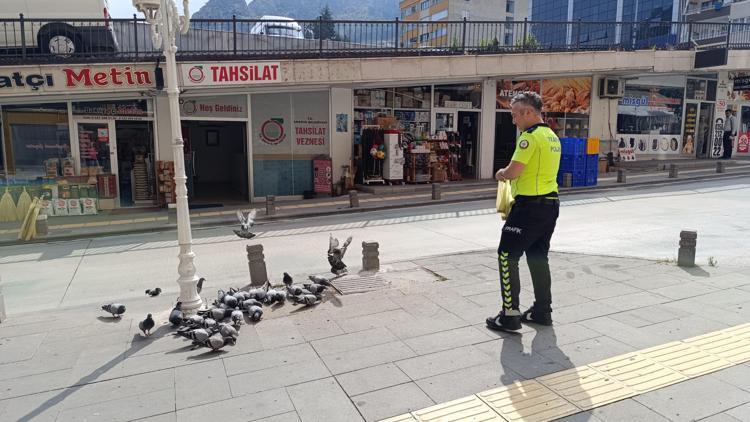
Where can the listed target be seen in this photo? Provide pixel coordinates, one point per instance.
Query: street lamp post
(165, 23)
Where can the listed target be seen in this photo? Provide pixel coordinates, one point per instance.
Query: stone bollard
(686, 253)
(257, 264)
(720, 168)
(567, 180)
(41, 225)
(370, 256)
(437, 191)
(353, 199)
(621, 176)
(673, 171)
(270, 205)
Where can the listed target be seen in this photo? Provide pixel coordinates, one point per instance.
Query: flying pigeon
(146, 325)
(116, 309)
(254, 313)
(153, 292)
(246, 222)
(306, 299)
(176, 316)
(226, 330)
(237, 317)
(199, 286)
(319, 279)
(336, 254)
(216, 342)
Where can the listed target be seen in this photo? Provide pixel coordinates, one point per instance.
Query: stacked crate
(580, 158)
(592, 161)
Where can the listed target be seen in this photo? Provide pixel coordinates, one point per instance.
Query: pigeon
(199, 286)
(336, 254)
(116, 309)
(254, 313)
(293, 289)
(176, 316)
(316, 289)
(209, 323)
(216, 342)
(306, 299)
(246, 222)
(230, 301)
(319, 279)
(147, 325)
(220, 296)
(274, 296)
(198, 335)
(237, 317)
(217, 314)
(195, 321)
(153, 292)
(250, 302)
(226, 330)
(257, 294)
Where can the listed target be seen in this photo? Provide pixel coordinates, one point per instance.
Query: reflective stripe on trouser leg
(505, 288)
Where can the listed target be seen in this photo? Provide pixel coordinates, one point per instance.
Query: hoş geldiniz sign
(57, 79)
(221, 74)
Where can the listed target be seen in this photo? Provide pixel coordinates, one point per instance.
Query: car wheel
(60, 44)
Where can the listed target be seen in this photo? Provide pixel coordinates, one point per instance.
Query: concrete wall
(603, 115)
(487, 130)
(341, 142)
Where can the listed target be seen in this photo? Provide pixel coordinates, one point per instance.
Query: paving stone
(684, 290)
(371, 306)
(738, 376)
(721, 417)
(121, 388)
(694, 399)
(445, 340)
(586, 351)
(740, 412)
(266, 378)
(438, 363)
(322, 326)
(322, 400)
(682, 328)
(353, 341)
(97, 364)
(640, 300)
(123, 409)
(582, 312)
(467, 381)
(540, 338)
(627, 410)
(43, 361)
(654, 281)
(652, 315)
(42, 407)
(339, 363)
(247, 408)
(605, 291)
(285, 417)
(727, 281)
(625, 334)
(514, 358)
(580, 417)
(284, 356)
(201, 383)
(725, 298)
(367, 322)
(370, 379)
(391, 401)
(276, 333)
(34, 384)
(421, 326)
(17, 349)
(419, 306)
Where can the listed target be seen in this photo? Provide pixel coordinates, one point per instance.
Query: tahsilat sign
(24, 80)
(230, 74)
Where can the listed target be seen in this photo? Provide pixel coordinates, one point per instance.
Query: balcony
(717, 11)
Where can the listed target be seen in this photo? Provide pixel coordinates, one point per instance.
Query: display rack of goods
(165, 181)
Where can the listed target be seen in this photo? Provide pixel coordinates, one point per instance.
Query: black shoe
(503, 322)
(541, 318)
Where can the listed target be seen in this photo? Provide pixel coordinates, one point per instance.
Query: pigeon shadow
(207, 355)
(111, 320)
(336, 301)
(135, 346)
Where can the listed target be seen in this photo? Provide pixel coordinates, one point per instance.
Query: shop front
(739, 99)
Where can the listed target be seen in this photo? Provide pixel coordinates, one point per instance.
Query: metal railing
(26, 41)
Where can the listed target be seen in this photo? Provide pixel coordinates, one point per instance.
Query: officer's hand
(499, 176)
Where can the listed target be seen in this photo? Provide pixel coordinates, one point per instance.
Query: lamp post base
(188, 281)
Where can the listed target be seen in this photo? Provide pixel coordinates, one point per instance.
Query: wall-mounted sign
(220, 74)
(120, 110)
(272, 131)
(233, 106)
(56, 79)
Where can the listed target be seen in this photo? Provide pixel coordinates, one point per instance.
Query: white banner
(227, 74)
(75, 78)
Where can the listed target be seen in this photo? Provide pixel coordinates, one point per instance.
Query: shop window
(459, 96)
(651, 110)
(36, 139)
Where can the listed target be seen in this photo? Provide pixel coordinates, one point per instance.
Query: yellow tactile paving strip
(579, 389)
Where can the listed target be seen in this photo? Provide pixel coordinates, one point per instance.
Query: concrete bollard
(621, 176)
(256, 263)
(353, 199)
(270, 205)
(686, 253)
(720, 168)
(673, 171)
(437, 191)
(370, 256)
(567, 180)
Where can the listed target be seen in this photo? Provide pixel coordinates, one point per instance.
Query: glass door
(705, 131)
(97, 149)
(445, 120)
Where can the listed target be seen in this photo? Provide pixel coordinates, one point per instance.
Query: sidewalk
(378, 198)
(416, 340)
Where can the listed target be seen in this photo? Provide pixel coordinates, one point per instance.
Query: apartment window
(413, 40)
(424, 37)
(508, 39)
(440, 15)
(434, 2)
(510, 6)
(425, 5)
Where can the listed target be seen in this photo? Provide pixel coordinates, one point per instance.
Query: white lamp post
(165, 22)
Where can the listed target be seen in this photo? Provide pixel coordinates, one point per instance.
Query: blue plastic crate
(592, 162)
(572, 163)
(573, 146)
(579, 177)
(591, 179)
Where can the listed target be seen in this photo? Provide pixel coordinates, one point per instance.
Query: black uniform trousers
(727, 141)
(528, 229)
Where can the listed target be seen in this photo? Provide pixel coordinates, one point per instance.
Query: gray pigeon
(230, 301)
(217, 314)
(274, 296)
(147, 325)
(336, 254)
(237, 318)
(257, 294)
(198, 335)
(293, 289)
(216, 342)
(255, 313)
(319, 279)
(195, 321)
(176, 316)
(199, 286)
(116, 309)
(227, 330)
(246, 223)
(250, 302)
(316, 289)
(209, 323)
(306, 299)
(220, 296)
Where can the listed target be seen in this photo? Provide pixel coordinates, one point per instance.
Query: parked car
(278, 26)
(58, 27)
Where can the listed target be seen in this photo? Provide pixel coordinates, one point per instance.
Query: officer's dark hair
(529, 98)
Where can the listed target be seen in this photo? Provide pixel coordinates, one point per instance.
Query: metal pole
(397, 37)
(187, 281)
(135, 33)
(463, 36)
(23, 35)
(234, 34)
(525, 33)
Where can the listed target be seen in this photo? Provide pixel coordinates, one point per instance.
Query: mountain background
(300, 9)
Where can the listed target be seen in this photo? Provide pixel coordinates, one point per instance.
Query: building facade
(422, 27)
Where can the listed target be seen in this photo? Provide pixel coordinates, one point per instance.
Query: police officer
(531, 222)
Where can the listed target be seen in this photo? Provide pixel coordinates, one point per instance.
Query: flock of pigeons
(217, 327)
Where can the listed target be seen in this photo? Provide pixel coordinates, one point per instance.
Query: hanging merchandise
(371, 162)
(24, 202)
(7, 208)
(393, 170)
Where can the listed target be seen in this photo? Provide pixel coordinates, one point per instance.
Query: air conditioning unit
(611, 88)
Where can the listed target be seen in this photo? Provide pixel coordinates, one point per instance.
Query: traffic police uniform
(529, 227)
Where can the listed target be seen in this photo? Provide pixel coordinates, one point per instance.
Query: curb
(346, 210)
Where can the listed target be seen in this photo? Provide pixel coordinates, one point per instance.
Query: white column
(342, 143)
(487, 130)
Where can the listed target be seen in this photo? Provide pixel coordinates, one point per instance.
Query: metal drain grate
(355, 284)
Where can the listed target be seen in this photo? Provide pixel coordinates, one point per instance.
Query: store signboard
(507, 89)
(571, 95)
(120, 110)
(228, 74)
(56, 79)
(229, 106)
(691, 119)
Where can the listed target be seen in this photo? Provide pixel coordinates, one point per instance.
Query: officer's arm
(513, 170)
